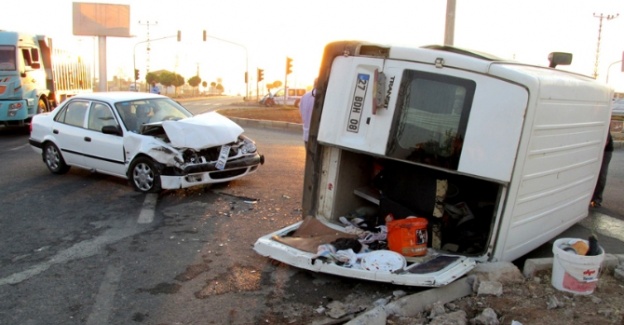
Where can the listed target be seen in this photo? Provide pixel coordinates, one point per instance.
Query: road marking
(147, 212)
(604, 225)
(20, 147)
(105, 296)
(79, 250)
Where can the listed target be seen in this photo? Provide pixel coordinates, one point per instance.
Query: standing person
(154, 89)
(602, 176)
(305, 108)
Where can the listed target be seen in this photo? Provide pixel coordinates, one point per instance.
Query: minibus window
(430, 119)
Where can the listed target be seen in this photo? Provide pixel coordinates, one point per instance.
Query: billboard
(101, 19)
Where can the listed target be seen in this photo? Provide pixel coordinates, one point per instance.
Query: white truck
(499, 157)
(35, 77)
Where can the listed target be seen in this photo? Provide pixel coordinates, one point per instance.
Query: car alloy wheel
(145, 177)
(53, 159)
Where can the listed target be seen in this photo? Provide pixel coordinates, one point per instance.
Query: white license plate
(223, 155)
(357, 104)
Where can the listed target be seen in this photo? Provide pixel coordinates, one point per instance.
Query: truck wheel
(144, 175)
(297, 103)
(53, 159)
(43, 106)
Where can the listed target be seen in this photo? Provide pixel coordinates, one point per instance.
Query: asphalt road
(84, 248)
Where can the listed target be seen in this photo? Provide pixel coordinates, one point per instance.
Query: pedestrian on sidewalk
(154, 89)
(602, 176)
(305, 107)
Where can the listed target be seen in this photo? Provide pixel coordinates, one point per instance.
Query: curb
(276, 125)
(531, 266)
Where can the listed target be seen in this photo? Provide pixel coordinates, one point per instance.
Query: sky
(251, 34)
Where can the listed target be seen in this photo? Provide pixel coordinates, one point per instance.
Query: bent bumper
(207, 174)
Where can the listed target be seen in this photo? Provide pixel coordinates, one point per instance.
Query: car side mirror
(112, 129)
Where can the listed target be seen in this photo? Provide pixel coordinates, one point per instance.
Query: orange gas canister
(408, 236)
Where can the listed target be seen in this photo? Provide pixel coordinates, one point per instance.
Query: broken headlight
(248, 146)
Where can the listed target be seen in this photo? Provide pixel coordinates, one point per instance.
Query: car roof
(117, 96)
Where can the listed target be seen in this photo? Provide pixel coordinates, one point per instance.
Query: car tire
(145, 175)
(53, 158)
(43, 105)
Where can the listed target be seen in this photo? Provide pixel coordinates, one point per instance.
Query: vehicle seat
(142, 115)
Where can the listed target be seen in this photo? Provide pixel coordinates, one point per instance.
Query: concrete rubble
(437, 304)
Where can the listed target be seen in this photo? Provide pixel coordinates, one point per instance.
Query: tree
(219, 86)
(151, 77)
(166, 79)
(194, 82)
(178, 81)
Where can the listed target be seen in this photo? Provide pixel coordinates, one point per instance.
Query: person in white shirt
(305, 108)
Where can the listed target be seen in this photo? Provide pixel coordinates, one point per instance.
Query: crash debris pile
(492, 293)
(387, 247)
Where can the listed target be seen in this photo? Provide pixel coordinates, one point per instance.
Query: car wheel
(53, 159)
(145, 175)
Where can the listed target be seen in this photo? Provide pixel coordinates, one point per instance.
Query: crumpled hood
(202, 131)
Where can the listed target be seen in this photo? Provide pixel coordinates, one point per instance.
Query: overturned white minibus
(499, 157)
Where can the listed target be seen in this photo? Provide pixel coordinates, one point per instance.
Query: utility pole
(147, 60)
(600, 17)
(449, 31)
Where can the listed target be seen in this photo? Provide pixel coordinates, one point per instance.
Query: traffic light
(136, 74)
(205, 35)
(288, 65)
(179, 35)
(260, 75)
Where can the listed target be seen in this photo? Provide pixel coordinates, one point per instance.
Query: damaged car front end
(185, 154)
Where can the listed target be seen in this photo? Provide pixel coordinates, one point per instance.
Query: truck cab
(497, 156)
(35, 77)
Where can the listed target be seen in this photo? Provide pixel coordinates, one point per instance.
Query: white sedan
(149, 139)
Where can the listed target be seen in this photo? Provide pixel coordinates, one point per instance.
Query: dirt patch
(276, 113)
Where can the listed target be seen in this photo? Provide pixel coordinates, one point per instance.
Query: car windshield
(146, 111)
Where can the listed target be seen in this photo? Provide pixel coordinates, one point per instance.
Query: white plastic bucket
(575, 273)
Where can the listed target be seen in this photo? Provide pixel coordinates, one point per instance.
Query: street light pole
(246, 62)
(141, 42)
(609, 69)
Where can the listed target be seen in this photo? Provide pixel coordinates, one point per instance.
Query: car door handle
(55, 131)
(87, 139)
